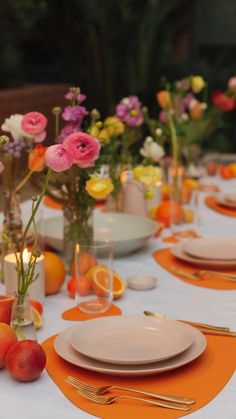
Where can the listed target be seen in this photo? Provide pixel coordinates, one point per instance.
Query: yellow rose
(99, 188)
(197, 84)
(148, 175)
(112, 126)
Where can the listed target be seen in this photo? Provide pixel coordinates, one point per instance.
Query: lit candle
(37, 288)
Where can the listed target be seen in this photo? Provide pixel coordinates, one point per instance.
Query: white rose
(151, 150)
(13, 125)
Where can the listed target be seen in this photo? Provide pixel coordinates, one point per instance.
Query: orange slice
(37, 318)
(100, 282)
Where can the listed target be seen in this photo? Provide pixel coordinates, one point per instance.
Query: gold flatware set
(199, 275)
(157, 399)
(203, 327)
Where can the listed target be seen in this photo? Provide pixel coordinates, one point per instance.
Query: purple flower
(187, 100)
(163, 117)
(129, 111)
(74, 113)
(75, 96)
(67, 130)
(183, 84)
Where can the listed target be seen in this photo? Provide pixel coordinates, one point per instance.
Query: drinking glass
(93, 269)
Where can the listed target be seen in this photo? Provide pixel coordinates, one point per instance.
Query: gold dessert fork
(198, 275)
(104, 389)
(108, 400)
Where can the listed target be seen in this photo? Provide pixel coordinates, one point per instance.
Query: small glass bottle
(22, 319)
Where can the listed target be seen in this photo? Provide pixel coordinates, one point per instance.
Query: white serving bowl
(128, 232)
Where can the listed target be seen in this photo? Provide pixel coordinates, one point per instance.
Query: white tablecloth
(173, 297)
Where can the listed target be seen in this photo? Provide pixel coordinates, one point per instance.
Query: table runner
(210, 201)
(75, 314)
(202, 379)
(165, 259)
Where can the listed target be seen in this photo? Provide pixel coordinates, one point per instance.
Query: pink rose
(84, 148)
(1, 167)
(34, 123)
(232, 84)
(58, 158)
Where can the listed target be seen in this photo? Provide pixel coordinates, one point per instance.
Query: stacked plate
(226, 200)
(130, 345)
(214, 252)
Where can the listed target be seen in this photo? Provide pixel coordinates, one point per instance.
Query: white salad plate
(215, 248)
(131, 340)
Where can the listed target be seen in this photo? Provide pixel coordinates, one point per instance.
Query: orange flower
(196, 111)
(163, 98)
(36, 158)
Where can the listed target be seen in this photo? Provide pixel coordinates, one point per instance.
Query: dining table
(171, 297)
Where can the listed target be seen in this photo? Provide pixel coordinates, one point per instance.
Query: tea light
(141, 282)
(37, 288)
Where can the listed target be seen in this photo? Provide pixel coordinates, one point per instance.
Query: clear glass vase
(22, 319)
(77, 225)
(12, 225)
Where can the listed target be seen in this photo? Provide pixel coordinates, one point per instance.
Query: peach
(7, 339)
(25, 360)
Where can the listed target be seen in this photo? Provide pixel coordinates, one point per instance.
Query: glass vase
(22, 319)
(12, 225)
(77, 225)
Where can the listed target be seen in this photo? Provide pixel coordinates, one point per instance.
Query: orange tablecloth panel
(75, 314)
(165, 258)
(211, 203)
(202, 379)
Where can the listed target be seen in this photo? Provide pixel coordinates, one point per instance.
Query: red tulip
(223, 102)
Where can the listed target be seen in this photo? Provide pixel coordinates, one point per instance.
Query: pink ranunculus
(84, 148)
(34, 123)
(58, 158)
(232, 84)
(1, 167)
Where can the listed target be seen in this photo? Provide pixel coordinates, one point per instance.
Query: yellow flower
(197, 83)
(112, 126)
(148, 175)
(99, 188)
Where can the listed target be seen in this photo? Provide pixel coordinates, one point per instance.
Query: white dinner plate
(178, 251)
(131, 340)
(230, 196)
(215, 248)
(128, 232)
(222, 200)
(65, 351)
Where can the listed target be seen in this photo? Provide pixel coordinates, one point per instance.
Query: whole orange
(84, 286)
(226, 172)
(25, 360)
(5, 312)
(37, 305)
(168, 208)
(7, 338)
(54, 273)
(85, 262)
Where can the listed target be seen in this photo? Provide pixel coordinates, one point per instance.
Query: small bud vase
(22, 319)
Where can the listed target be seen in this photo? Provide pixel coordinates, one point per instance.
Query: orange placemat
(75, 314)
(202, 379)
(51, 203)
(211, 202)
(165, 258)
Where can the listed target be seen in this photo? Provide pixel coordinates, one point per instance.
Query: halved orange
(37, 318)
(100, 281)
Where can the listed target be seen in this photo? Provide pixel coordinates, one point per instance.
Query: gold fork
(198, 275)
(105, 389)
(108, 400)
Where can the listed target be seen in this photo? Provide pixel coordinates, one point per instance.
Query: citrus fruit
(85, 262)
(84, 286)
(167, 209)
(37, 305)
(100, 280)
(25, 360)
(226, 172)
(5, 311)
(6, 299)
(188, 215)
(7, 338)
(54, 273)
(37, 318)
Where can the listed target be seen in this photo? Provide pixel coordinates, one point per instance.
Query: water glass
(93, 271)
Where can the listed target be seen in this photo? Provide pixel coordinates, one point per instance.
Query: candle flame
(25, 255)
(77, 248)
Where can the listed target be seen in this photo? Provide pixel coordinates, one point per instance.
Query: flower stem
(23, 182)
